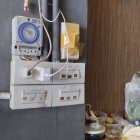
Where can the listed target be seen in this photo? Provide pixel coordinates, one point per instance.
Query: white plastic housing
(73, 73)
(64, 50)
(18, 46)
(25, 97)
(64, 95)
(71, 57)
(19, 70)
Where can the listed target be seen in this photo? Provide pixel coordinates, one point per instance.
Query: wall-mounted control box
(64, 95)
(27, 36)
(39, 90)
(39, 75)
(25, 97)
(73, 73)
(33, 87)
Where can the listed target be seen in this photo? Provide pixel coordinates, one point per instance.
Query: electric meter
(27, 36)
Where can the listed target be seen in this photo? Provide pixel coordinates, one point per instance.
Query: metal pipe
(26, 5)
(56, 33)
(45, 40)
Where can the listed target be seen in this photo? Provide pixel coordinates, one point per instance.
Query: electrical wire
(50, 50)
(26, 58)
(29, 58)
(53, 19)
(67, 38)
(49, 38)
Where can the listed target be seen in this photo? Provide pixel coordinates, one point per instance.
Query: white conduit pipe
(5, 95)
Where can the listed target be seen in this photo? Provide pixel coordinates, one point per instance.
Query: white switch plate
(64, 95)
(67, 74)
(19, 73)
(25, 97)
(69, 95)
(73, 73)
(33, 96)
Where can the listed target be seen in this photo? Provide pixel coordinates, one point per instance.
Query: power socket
(65, 95)
(30, 96)
(27, 73)
(72, 73)
(20, 69)
(66, 74)
(69, 95)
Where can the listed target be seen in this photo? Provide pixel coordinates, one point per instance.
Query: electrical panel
(32, 85)
(65, 88)
(19, 70)
(64, 95)
(33, 96)
(27, 36)
(73, 73)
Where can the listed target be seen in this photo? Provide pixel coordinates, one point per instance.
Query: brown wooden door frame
(113, 52)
